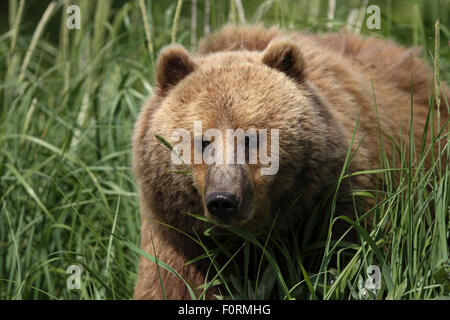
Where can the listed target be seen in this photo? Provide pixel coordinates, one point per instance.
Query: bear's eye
(247, 142)
(248, 151)
(205, 143)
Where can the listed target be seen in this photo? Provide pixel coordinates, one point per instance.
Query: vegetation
(68, 102)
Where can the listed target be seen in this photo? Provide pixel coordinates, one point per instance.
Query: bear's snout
(228, 194)
(223, 206)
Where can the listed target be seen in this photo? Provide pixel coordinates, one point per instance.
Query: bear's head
(250, 128)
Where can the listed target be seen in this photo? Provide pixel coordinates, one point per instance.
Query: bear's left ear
(284, 55)
(173, 65)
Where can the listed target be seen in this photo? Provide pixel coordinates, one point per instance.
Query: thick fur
(314, 96)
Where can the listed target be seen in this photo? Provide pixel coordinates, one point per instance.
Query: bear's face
(234, 119)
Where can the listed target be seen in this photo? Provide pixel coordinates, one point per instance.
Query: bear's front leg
(174, 249)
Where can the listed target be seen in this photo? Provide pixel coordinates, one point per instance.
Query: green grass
(68, 103)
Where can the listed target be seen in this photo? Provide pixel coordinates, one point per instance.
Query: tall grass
(69, 99)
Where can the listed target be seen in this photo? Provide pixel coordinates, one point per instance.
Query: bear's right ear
(285, 56)
(173, 65)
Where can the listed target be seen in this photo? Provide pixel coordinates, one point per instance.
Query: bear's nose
(222, 205)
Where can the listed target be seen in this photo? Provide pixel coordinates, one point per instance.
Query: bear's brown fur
(312, 88)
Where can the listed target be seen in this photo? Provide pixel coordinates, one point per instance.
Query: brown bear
(312, 89)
